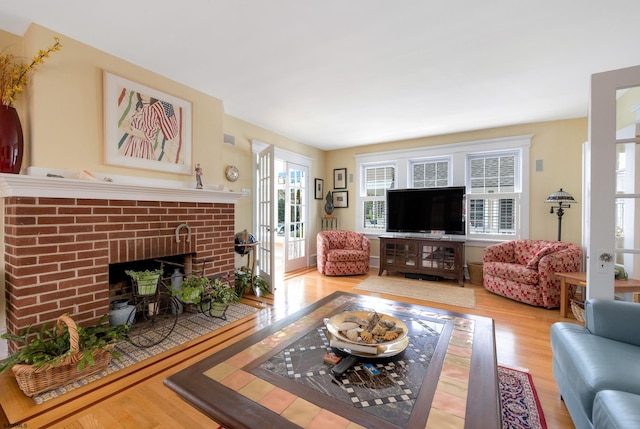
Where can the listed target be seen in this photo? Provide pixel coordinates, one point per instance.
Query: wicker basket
(577, 308)
(475, 273)
(47, 377)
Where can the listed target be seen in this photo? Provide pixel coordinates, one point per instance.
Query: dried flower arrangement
(14, 74)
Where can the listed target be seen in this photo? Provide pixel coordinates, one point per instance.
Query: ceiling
(340, 73)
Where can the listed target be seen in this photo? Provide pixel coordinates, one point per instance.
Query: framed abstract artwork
(340, 178)
(146, 128)
(340, 199)
(319, 189)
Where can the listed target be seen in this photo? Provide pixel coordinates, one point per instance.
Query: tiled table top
(446, 378)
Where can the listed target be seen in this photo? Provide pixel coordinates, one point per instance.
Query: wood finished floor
(140, 399)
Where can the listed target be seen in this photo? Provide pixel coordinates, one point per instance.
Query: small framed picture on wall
(340, 178)
(340, 199)
(319, 189)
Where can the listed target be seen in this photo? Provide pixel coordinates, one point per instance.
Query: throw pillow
(546, 250)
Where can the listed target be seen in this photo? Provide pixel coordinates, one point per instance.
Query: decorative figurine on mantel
(198, 176)
(328, 207)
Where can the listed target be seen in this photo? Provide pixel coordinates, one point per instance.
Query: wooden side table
(580, 279)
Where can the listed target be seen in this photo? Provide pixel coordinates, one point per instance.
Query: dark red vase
(11, 140)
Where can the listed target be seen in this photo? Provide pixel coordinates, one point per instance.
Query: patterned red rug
(521, 407)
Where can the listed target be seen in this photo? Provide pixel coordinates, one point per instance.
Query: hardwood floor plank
(140, 399)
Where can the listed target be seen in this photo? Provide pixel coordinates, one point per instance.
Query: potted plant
(221, 296)
(145, 282)
(51, 357)
(243, 279)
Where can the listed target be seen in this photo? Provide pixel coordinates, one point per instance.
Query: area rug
(450, 294)
(188, 327)
(521, 407)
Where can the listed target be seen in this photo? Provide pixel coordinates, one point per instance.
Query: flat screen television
(426, 210)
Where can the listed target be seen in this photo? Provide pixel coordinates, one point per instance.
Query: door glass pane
(627, 204)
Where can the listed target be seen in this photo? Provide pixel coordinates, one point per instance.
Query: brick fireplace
(60, 235)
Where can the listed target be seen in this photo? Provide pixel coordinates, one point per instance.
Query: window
(430, 174)
(493, 194)
(377, 179)
(495, 173)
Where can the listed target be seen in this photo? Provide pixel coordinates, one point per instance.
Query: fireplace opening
(120, 283)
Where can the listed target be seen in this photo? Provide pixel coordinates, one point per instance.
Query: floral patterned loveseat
(342, 253)
(523, 270)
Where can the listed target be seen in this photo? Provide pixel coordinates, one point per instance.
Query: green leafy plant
(48, 346)
(146, 282)
(191, 290)
(141, 275)
(243, 282)
(261, 284)
(222, 293)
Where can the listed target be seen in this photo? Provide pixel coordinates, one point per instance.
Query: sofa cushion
(613, 409)
(616, 320)
(546, 250)
(346, 255)
(594, 363)
(515, 272)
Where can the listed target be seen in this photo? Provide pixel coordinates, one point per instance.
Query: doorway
(282, 214)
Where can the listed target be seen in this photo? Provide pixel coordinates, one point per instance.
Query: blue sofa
(597, 366)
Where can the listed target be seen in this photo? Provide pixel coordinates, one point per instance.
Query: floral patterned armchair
(342, 253)
(524, 270)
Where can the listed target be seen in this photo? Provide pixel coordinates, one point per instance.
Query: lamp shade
(560, 196)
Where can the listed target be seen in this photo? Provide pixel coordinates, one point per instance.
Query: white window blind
(430, 174)
(377, 179)
(493, 194)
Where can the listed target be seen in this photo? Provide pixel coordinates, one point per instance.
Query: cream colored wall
(557, 143)
(66, 111)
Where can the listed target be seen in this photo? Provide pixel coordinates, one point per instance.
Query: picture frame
(146, 128)
(339, 178)
(340, 199)
(319, 189)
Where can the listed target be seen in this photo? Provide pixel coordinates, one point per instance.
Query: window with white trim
(430, 174)
(495, 173)
(493, 194)
(377, 179)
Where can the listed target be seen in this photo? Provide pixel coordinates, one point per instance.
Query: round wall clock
(232, 173)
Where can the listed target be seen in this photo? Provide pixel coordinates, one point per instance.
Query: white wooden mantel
(120, 188)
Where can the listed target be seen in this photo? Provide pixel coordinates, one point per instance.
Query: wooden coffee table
(580, 279)
(276, 378)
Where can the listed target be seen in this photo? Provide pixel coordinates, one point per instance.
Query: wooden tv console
(434, 257)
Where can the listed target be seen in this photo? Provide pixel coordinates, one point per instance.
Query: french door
(264, 214)
(295, 217)
(611, 177)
